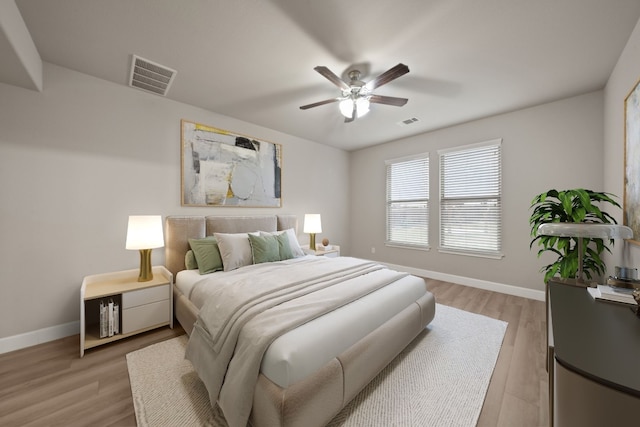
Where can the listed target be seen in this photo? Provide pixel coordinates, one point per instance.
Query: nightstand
(332, 251)
(142, 305)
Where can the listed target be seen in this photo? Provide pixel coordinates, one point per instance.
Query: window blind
(408, 201)
(470, 193)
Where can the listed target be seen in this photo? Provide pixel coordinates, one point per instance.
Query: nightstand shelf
(143, 305)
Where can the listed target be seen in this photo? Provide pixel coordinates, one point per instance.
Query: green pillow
(190, 260)
(207, 254)
(284, 246)
(264, 248)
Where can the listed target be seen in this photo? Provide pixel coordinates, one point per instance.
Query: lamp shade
(312, 223)
(144, 232)
(585, 229)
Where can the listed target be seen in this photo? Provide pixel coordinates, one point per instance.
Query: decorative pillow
(284, 247)
(235, 250)
(190, 260)
(207, 254)
(296, 250)
(264, 248)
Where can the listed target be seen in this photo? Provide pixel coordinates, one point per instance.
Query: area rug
(440, 379)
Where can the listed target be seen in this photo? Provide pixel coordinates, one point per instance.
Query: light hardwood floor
(518, 392)
(49, 385)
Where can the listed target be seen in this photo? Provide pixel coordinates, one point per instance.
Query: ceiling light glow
(362, 107)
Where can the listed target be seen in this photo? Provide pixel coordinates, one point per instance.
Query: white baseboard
(28, 339)
(474, 283)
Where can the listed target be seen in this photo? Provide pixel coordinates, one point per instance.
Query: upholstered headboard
(179, 229)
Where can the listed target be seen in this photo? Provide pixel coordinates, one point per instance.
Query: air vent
(407, 122)
(150, 77)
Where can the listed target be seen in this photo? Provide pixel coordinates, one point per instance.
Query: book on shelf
(116, 318)
(110, 305)
(609, 293)
(104, 320)
(109, 318)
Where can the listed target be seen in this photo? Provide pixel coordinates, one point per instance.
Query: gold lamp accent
(144, 232)
(312, 225)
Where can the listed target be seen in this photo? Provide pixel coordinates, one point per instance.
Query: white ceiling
(253, 59)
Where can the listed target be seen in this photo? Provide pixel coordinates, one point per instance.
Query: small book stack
(613, 294)
(109, 318)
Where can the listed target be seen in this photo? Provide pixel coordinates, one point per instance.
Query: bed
(311, 369)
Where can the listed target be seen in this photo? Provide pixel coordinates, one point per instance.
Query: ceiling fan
(356, 94)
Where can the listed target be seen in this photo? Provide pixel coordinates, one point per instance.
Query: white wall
(556, 145)
(79, 157)
(622, 80)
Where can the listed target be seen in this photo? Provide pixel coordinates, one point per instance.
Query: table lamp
(144, 233)
(312, 225)
(584, 230)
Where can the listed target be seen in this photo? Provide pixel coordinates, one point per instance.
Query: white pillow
(235, 250)
(296, 250)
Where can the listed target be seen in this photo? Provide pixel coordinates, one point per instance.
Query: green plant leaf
(565, 199)
(579, 214)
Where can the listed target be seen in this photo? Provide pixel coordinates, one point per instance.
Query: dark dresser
(594, 360)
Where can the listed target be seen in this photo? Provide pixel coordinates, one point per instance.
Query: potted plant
(577, 205)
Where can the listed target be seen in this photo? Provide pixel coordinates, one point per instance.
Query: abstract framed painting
(632, 162)
(222, 168)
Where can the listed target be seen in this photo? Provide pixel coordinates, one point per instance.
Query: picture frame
(631, 202)
(224, 168)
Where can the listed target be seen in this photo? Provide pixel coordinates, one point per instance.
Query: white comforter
(243, 315)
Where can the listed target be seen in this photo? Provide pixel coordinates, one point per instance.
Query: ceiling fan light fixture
(362, 107)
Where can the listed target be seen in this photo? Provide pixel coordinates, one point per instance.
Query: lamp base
(312, 241)
(145, 266)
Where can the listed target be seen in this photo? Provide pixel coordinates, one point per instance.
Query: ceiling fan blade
(387, 76)
(388, 100)
(319, 103)
(329, 75)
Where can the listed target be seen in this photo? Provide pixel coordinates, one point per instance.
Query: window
(470, 191)
(408, 201)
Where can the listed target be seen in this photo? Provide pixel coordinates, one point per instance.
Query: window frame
(488, 197)
(388, 202)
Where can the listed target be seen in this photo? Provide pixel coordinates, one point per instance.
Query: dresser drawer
(145, 316)
(145, 296)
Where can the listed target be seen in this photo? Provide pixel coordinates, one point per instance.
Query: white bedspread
(275, 301)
